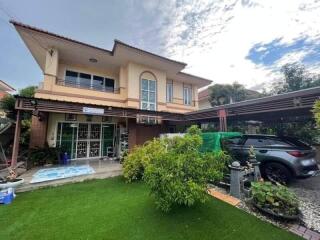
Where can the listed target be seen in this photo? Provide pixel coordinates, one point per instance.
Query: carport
(293, 106)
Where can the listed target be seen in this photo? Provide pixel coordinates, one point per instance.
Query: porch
(102, 169)
(83, 131)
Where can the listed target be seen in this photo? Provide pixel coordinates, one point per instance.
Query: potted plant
(275, 199)
(11, 181)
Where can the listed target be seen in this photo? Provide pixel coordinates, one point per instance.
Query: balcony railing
(87, 85)
(180, 101)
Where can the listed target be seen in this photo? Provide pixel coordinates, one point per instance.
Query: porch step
(98, 175)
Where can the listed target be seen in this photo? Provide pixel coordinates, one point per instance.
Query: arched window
(148, 91)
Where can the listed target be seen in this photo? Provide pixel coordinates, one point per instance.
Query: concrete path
(103, 169)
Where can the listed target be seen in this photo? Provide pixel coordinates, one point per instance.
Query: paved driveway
(308, 191)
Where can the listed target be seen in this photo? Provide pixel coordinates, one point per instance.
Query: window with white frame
(89, 81)
(187, 95)
(148, 94)
(169, 91)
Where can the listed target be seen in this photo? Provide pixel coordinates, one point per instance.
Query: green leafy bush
(277, 198)
(178, 173)
(136, 161)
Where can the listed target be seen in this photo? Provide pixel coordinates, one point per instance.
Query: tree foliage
(296, 77)
(28, 91)
(135, 163)
(8, 102)
(220, 94)
(175, 170)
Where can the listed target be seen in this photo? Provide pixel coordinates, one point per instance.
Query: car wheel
(276, 172)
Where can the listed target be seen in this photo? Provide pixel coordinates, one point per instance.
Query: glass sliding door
(66, 138)
(86, 140)
(107, 139)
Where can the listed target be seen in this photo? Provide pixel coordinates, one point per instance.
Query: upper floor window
(187, 95)
(148, 94)
(84, 80)
(169, 91)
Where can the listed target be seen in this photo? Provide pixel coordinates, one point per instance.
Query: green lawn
(112, 209)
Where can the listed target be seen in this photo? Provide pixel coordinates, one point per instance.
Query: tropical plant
(44, 155)
(277, 198)
(179, 173)
(228, 93)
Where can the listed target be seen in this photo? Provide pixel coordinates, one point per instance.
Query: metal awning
(56, 106)
(294, 102)
(298, 101)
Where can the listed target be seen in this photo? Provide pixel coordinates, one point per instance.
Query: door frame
(88, 140)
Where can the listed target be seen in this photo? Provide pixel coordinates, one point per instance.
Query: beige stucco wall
(204, 104)
(127, 78)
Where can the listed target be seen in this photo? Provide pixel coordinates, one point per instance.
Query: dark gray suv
(281, 158)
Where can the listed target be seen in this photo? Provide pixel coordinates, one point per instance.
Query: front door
(89, 140)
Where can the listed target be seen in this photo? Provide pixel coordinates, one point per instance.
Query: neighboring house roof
(204, 94)
(4, 87)
(39, 41)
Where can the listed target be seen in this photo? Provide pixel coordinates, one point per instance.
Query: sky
(247, 41)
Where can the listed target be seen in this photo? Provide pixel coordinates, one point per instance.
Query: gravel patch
(309, 206)
(253, 211)
(308, 192)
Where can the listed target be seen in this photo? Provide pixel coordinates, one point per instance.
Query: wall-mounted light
(93, 60)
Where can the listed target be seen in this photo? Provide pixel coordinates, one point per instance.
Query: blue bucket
(6, 196)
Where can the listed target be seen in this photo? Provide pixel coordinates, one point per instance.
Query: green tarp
(212, 140)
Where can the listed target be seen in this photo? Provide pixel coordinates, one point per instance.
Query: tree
(8, 102)
(296, 77)
(28, 91)
(220, 94)
(178, 175)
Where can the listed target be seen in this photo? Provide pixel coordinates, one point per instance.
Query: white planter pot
(12, 184)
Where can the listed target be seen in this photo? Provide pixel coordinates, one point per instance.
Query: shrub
(178, 174)
(44, 155)
(136, 161)
(277, 198)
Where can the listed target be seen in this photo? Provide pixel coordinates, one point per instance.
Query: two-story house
(93, 101)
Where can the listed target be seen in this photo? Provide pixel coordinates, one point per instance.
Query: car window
(277, 142)
(232, 141)
(295, 142)
(256, 142)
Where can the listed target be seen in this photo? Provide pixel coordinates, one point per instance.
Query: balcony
(89, 85)
(180, 101)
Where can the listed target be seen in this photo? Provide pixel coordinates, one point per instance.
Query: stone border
(304, 232)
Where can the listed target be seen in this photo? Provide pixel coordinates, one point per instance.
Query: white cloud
(214, 37)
